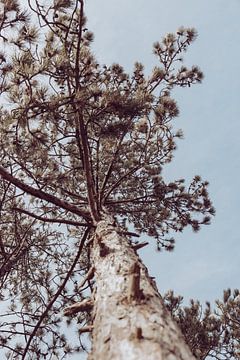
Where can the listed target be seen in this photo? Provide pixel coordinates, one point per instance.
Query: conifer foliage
(210, 332)
(79, 142)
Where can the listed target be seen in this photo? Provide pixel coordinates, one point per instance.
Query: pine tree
(209, 332)
(82, 148)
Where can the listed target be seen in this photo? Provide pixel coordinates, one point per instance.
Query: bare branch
(140, 245)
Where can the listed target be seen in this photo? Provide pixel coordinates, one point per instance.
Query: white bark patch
(129, 320)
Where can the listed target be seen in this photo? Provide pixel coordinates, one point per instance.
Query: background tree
(210, 333)
(83, 146)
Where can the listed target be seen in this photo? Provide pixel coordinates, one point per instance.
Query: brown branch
(110, 167)
(92, 197)
(115, 185)
(140, 245)
(77, 84)
(42, 218)
(43, 196)
(50, 304)
(79, 145)
(81, 130)
(128, 233)
(85, 329)
(89, 276)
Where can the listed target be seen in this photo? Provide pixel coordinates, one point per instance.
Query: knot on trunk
(104, 249)
(105, 226)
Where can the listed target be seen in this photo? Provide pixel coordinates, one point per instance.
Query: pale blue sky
(202, 264)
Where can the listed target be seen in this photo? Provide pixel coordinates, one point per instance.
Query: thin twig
(42, 218)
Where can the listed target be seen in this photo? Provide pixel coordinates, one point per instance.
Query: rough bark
(129, 318)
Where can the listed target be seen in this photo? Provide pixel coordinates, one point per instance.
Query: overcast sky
(202, 264)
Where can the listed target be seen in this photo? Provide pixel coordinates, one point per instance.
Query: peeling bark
(129, 318)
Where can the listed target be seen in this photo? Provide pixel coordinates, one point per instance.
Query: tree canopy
(79, 141)
(210, 332)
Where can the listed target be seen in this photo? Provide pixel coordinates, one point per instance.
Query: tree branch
(115, 185)
(110, 167)
(44, 196)
(42, 218)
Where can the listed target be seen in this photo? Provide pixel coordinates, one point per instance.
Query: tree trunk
(129, 319)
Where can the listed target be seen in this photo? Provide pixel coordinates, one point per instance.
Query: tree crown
(90, 135)
(78, 141)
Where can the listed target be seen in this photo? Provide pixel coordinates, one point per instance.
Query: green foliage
(210, 333)
(79, 141)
